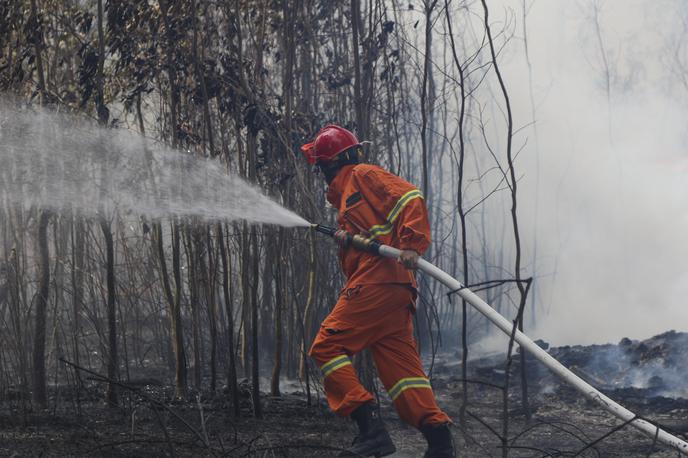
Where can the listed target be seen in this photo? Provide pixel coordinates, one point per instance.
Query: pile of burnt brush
(654, 370)
(648, 376)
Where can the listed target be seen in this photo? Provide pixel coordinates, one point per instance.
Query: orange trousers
(378, 317)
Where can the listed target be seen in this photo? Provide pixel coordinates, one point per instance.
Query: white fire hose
(590, 392)
(545, 358)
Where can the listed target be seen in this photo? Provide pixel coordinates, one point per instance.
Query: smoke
(61, 162)
(609, 206)
(654, 365)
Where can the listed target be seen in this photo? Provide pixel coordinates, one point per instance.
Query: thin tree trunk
(39, 383)
(194, 299)
(278, 269)
(200, 75)
(226, 290)
(245, 298)
(517, 241)
(462, 217)
(212, 308)
(38, 45)
(170, 65)
(429, 6)
(358, 102)
(77, 283)
(176, 327)
(111, 308)
(536, 202)
(255, 368)
(181, 376)
(307, 322)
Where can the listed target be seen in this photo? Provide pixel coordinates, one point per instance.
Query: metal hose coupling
(358, 241)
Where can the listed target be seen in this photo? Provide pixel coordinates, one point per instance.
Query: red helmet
(330, 141)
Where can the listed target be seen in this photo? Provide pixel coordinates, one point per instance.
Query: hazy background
(612, 215)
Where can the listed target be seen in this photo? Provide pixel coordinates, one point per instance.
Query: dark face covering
(331, 169)
(329, 172)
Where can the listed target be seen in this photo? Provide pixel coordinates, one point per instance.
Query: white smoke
(613, 190)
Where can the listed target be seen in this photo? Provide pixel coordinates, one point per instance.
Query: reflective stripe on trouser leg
(401, 371)
(342, 387)
(408, 383)
(415, 402)
(334, 364)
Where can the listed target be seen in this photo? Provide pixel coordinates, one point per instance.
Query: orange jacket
(374, 202)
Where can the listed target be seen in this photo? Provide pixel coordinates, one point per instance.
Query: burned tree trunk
(426, 97)
(306, 318)
(178, 330)
(77, 282)
(277, 368)
(355, 32)
(39, 387)
(111, 308)
(176, 327)
(229, 299)
(194, 299)
(18, 303)
(212, 307)
(462, 214)
(512, 183)
(255, 372)
(38, 374)
(245, 299)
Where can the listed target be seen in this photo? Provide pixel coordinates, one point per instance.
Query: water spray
(64, 163)
(375, 247)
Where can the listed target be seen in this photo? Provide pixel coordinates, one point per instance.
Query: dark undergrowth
(149, 422)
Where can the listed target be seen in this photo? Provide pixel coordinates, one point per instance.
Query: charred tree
(512, 183)
(279, 299)
(229, 308)
(461, 210)
(111, 308)
(39, 381)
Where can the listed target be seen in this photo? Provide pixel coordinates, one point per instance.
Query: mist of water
(63, 162)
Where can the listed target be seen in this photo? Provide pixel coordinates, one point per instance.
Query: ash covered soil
(563, 422)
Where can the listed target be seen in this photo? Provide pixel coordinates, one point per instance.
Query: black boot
(439, 439)
(372, 438)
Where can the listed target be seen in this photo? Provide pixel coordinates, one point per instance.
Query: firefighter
(376, 306)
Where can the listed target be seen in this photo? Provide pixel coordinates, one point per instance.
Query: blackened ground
(78, 424)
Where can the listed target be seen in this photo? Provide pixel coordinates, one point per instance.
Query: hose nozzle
(324, 229)
(357, 241)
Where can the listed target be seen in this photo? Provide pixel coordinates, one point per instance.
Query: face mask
(330, 172)
(331, 169)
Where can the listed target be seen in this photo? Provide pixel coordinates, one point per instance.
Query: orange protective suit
(376, 306)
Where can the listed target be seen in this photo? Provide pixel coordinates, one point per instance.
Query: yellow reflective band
(381, 229)
(334, 364)
(401, 203)
(406, 383)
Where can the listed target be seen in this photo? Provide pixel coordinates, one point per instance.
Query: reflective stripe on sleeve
(406, 383)
(381, 229)
(334, 364)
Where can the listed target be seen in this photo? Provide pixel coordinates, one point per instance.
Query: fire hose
(375, 247)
